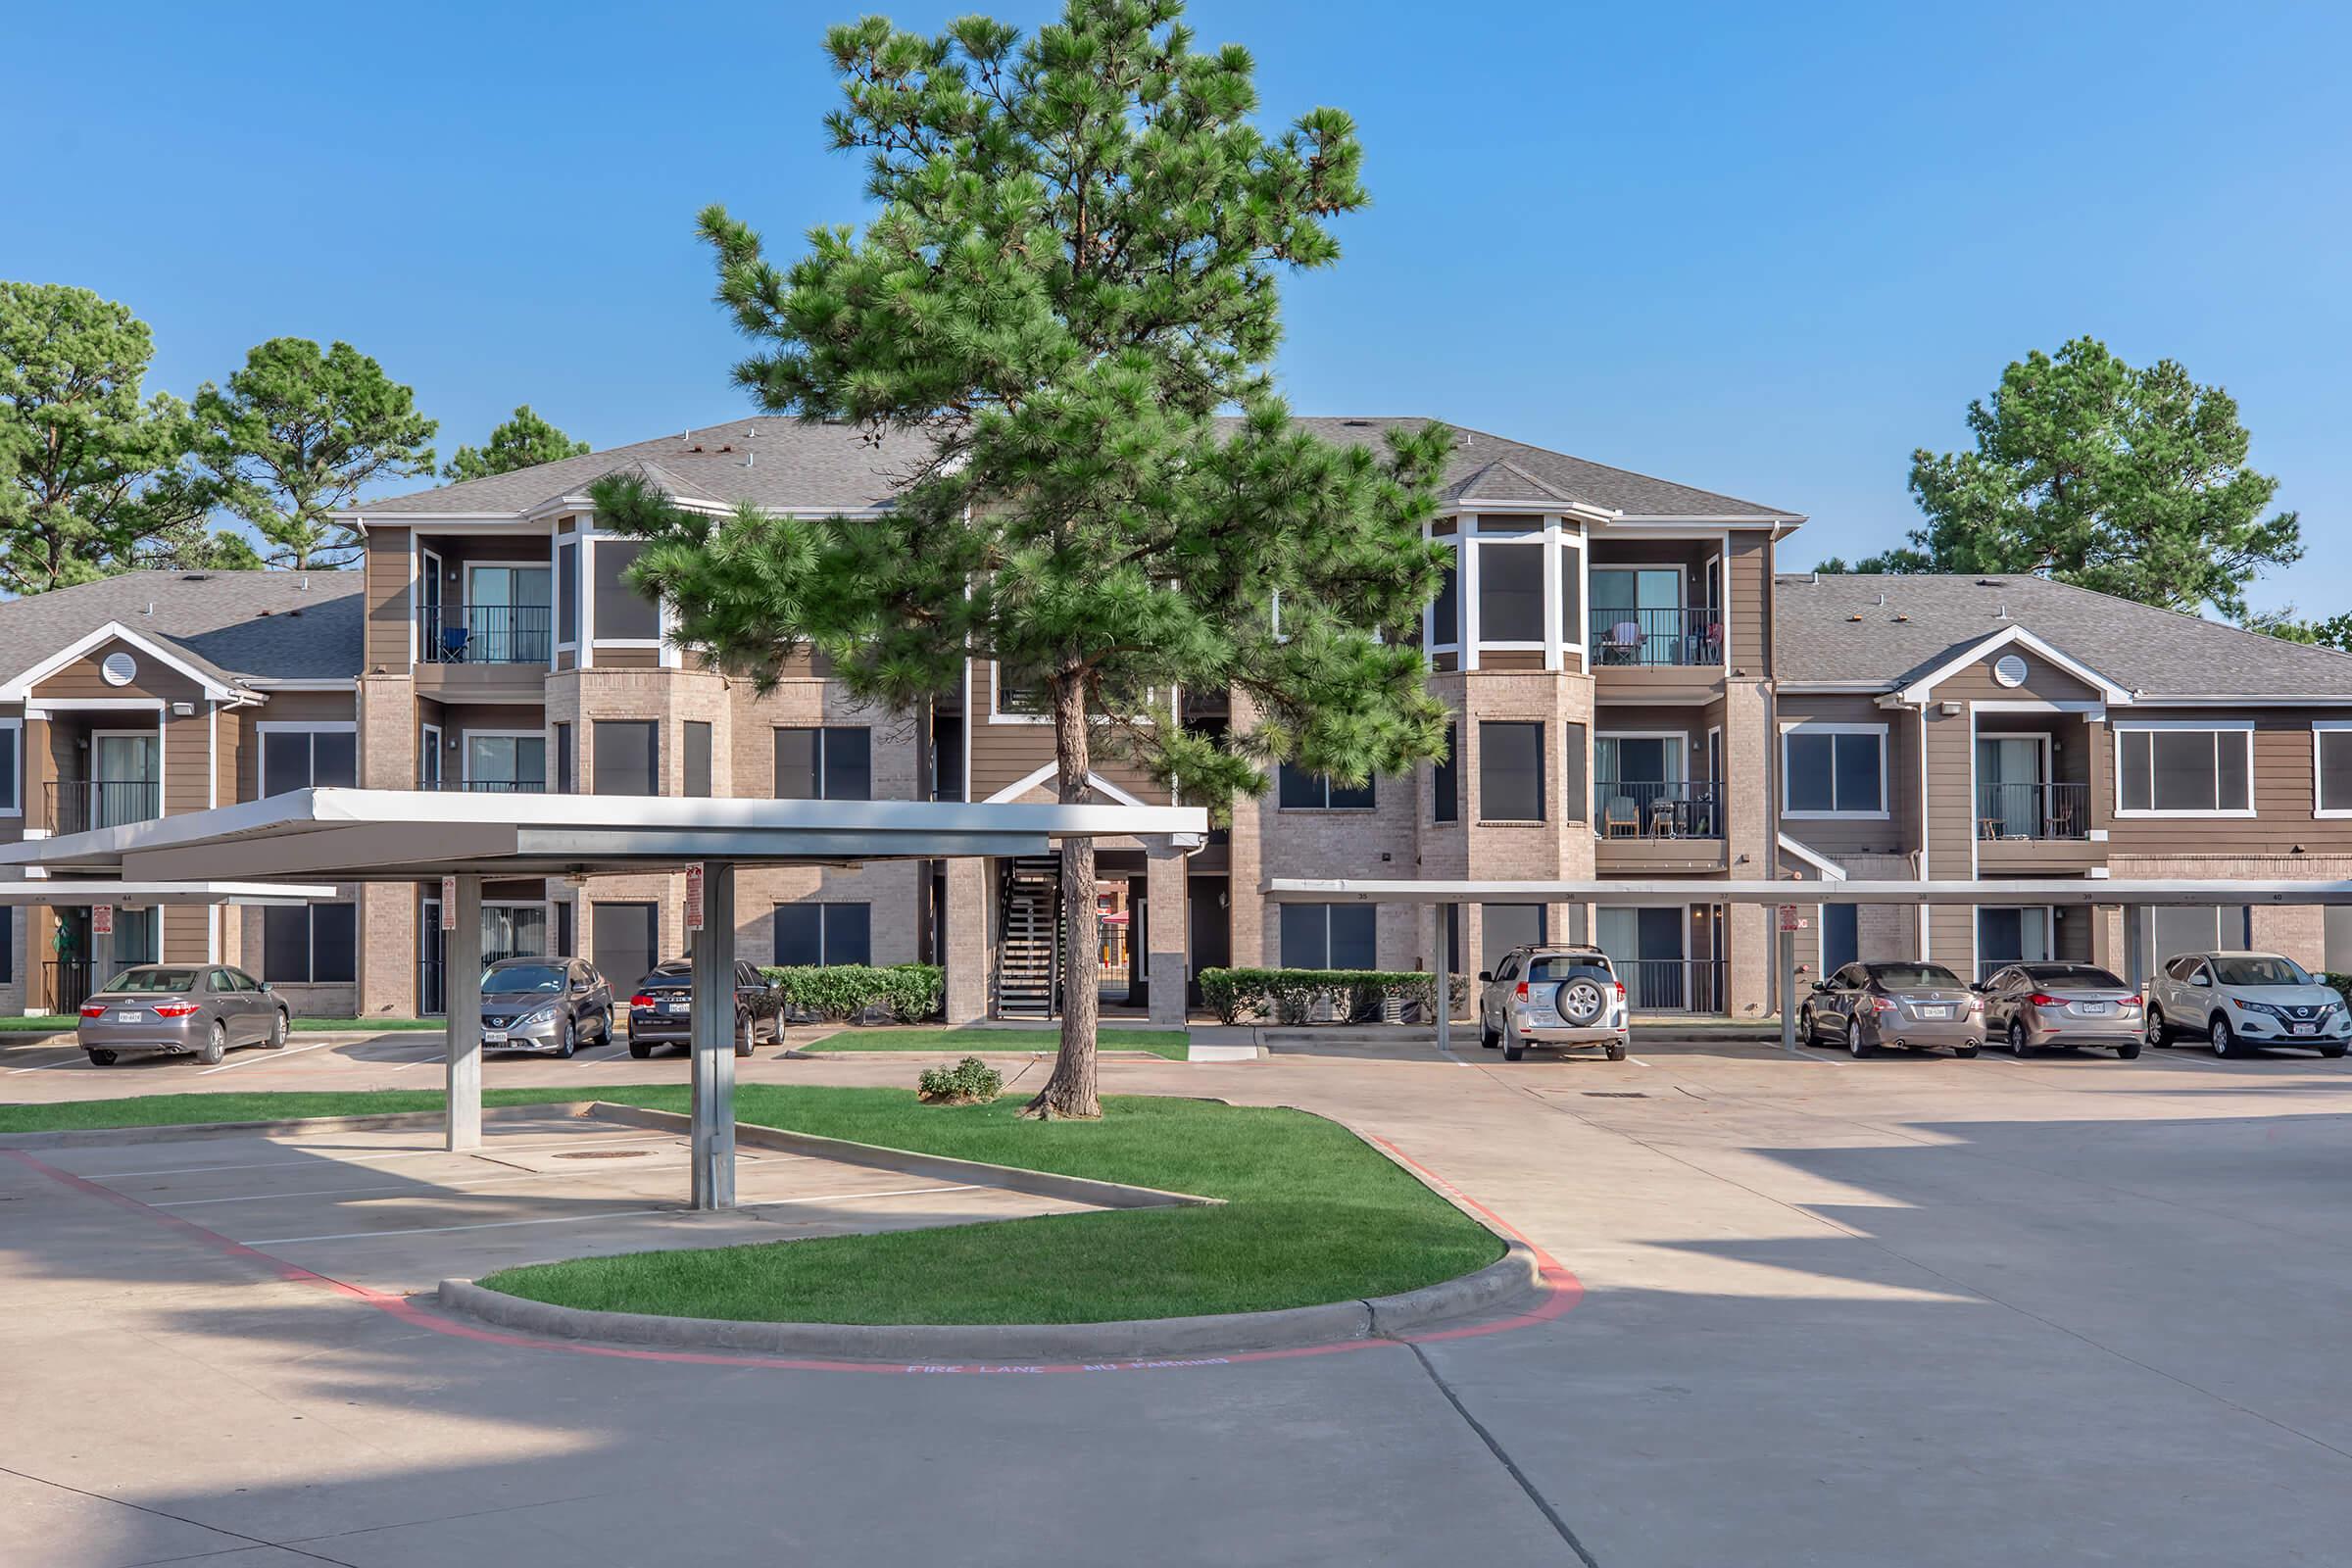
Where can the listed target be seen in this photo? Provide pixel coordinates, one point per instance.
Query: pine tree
(524, 441)
(1071, 274)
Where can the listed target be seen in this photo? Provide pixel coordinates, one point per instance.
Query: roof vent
(304, 586)
(726, 446)
(150, 610)
(1882, 596)
(1899, 617)
(195, 576)
(118, 670)
(1856, 615)
(2009, 670)
(1989, 582)
(1357, 424)
(2001, 611)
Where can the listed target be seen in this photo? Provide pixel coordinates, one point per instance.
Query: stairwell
(1029, 941)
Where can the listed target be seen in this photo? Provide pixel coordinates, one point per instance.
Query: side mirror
(268, 986)
(1485, 976)
(1820, 987)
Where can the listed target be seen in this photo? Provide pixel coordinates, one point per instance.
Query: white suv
(2244, 1000)
(1552, 996)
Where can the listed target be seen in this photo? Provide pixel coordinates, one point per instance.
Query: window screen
(315, 944)
(1572, 589)
(1833, 771)
(1328, 936)
(624, 940)
(626, 753)
(297, 760)
(834, 762)
(1510, 772)
(1444, 782)
(812, 932)
(11, 771)
(1301, 789)
(698, 759)
(622, 614)
(1446, 616)
(1575, 791)
(567, 593)
(1510, 593)
(2184, 770)
(1504, 926)
(2334, 754)
(563, 773)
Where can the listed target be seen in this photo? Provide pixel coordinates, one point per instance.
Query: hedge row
(843, 993)
(1293, 995)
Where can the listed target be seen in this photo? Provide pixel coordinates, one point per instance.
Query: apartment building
(2007, 727)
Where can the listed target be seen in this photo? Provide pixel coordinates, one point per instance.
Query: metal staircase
(1029, 965)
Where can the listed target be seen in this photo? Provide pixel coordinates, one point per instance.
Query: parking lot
(1915, 1310)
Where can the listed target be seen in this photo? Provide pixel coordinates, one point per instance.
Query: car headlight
(2266, 1008)
(536, 1015)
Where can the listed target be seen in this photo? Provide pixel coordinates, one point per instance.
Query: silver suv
(1551, 995)
(2244, 1000)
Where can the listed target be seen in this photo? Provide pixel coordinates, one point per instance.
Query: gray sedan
(2065, 1004)
(1903, 1003)
(550, 1004)
(197, 1009)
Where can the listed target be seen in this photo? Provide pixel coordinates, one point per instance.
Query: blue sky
(1763, 250)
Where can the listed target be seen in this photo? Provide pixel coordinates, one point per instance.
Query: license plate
(2090, 1009)
(1935, 1012)
(2303, 1028)
(494, 1037)
(677, 1007)
(130, 1017)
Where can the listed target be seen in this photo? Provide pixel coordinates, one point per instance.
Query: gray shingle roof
(2160, 653)
(227, 624)
(829, 468)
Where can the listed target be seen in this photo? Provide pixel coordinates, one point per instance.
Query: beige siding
(1841, 837)
(387, 641)
(81, 678)
(1749, 601)
(2283, 802)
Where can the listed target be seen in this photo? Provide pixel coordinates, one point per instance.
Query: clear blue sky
(1763, 250)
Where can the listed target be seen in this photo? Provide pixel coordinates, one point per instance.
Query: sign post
(1789, 924)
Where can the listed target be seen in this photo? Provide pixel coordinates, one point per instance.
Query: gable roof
(229, 626)
(1887, 631)
(785, 465)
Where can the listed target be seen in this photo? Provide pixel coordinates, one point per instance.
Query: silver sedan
(197, 1009)
(1910, 1005)
(2032, 1005)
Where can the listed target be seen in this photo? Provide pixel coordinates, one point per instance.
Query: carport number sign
(694, 898)
(102, 919)
(1789, 921)
(449, 904)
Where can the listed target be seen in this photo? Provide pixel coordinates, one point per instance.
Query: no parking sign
(694, 898)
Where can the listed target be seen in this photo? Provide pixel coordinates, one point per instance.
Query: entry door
(508, 609)
(127, 774)
(623, 941)
(2007, 935)
(1646, 946)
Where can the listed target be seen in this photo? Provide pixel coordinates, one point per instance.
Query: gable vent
(2009, 670)
(118, 670)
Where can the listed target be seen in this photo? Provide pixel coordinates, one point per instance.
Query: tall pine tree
(1072, 271)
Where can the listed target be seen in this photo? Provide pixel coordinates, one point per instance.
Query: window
(300, 759)
(8, 945)
(1510, 772)
(622, 613)
(825, 933)
(1328, 936)
(506, 763)
(627, 756)
(514, 931)
(563, 774)
(1841, 934)
(2184, 770)
(623, 940)
(1446, 780)
(1299, 790)
(1572, 586)
(2331, 767)
(1575, 792)
(11, 769)
(832, 763)
(1510, 593)
(568, 596)
(698, 759)
(316, 945)
(1504, 926)
(1833, 770)
(1446, 616)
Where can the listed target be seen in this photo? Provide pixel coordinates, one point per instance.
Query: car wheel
(2018, 1046)
(216, 1044)
(2333, 1053)
(1616, 1052)
(1807, 1029)
(743, 1035)
(568, 1040)
(100, 1057)
(2129, 1050)
(277, 1030)
(1513, 1052)
(2226, 1043)
(1491, 1039)
(1855, 1046)
(641, 1049)
(1964, 1053)
(2158, 1034)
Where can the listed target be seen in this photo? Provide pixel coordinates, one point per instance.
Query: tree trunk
(1070, 1091)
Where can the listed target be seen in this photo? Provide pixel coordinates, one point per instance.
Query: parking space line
(357, 1192)
(267, 1055)
(391, 1153)
(576, 1219)
(75, 1060)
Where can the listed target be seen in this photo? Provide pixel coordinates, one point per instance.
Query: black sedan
(662, 1011)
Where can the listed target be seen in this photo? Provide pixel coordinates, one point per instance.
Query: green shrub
(2341, 982)
(843, 993)
(970, 1082)
(1291, 996)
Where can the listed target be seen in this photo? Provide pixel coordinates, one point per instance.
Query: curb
(1503, 1283)
(199, 1132)
(849, 1151)
(817, 1053)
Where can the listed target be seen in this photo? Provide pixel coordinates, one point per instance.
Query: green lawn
(37, 1025)
(1167, 1043)
(1313, 1213)
(66, 1023)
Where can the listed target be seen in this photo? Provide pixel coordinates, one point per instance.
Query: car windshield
(2259, 969)
(1562, 965)
(2068, 974)
(153, 982)
(1899, 975)
(524, 977)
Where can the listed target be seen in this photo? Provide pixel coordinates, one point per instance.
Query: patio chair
(1624, 638)
(453, 644)
(1620, 817)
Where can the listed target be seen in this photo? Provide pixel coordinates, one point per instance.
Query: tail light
(1621, 993)
(641, 999)
(2043, 999)
(2132, 1001)
(1886, 1004)
(94, 1010)
(174, 1009)
(1522, 991)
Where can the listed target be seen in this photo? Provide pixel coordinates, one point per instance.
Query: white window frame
(1815, 726)
(1546, 541)
(996, 701)
(163, 775)
(2216, 727)
(15, 727)
(275, 726)
(588, 635)
(2319, 800)
(1429, 611)
(1682, 571)
(428, 744)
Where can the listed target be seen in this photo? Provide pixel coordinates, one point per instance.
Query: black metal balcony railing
(485, 634)
(78, 804)
(488, 786)
(2032, 811)
(68, 983)
(1625, 808)
(1688, 635)
(1671, 985)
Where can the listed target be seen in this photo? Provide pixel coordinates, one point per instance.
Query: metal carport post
(712, 1039)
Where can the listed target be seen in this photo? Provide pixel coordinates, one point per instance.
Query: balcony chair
(1623, 643)
(1621, 813)
(453, 644)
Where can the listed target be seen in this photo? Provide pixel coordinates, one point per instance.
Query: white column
(462, 1002)
(1167, 939)
(712, 1039)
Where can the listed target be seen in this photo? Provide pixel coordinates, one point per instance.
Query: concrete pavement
(1915, 1311)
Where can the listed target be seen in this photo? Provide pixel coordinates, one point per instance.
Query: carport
(290, 843)
(113, 893)
(2068, 891)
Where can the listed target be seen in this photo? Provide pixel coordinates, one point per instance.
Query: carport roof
(2184, 891)
(347, 834)
(63, 893)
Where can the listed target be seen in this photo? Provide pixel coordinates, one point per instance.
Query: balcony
(1651, 826)
(1683, 637)
(2035, 827)
(487, 786)
(78, 804)
(1672, 985)
(485, 634)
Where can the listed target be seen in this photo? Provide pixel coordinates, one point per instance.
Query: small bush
(970, 1082)
(845, 993)
(1291, 996)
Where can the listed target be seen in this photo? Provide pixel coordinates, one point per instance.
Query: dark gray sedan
(197, 1009)
(2065, 1004)
(549, 1005)
(661, 1010)
(1906, 1005)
